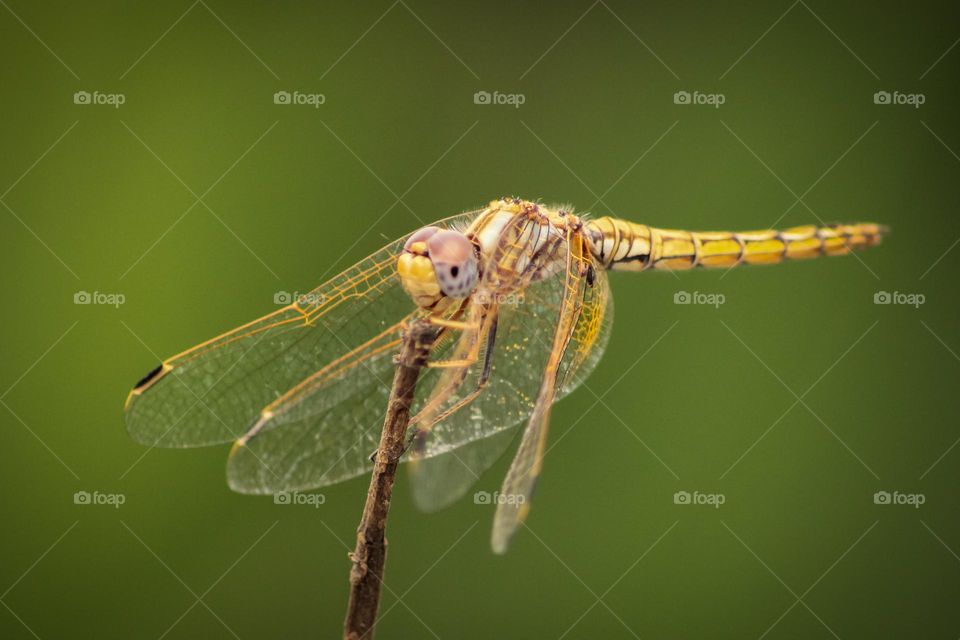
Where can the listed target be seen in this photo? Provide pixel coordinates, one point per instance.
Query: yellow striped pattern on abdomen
(623, 245)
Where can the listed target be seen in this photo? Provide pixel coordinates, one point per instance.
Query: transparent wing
(298, 445)
(591, 331)
(325, 429)
(345, 328)
(438, 482)
(578, 324)
(467, 442)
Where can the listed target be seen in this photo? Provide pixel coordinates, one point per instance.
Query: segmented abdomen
(623, 245)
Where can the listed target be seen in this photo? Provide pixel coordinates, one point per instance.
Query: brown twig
(369, 558)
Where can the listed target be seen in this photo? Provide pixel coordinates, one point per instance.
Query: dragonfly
(519, 295)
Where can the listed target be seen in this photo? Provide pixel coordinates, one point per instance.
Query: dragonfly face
(437, 263)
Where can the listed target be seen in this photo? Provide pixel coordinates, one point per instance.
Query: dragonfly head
(437, 263)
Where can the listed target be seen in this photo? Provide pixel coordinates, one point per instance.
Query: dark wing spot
(150, 376)
(454, 271)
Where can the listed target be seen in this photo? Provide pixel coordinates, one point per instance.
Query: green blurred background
(697, 398)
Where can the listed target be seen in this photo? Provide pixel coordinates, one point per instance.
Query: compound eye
(421, 235)
(454, 262)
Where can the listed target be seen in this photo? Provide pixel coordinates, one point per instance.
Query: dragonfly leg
(421, 433)
(455, 375)
(453, 324)
(452, 364)
(466, 360)
(458, 370)
(419, 437)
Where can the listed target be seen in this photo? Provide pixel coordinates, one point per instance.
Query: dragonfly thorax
(436, 263)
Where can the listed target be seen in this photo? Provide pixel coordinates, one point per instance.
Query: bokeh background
(198, 199)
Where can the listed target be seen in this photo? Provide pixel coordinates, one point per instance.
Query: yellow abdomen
(623, 245)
